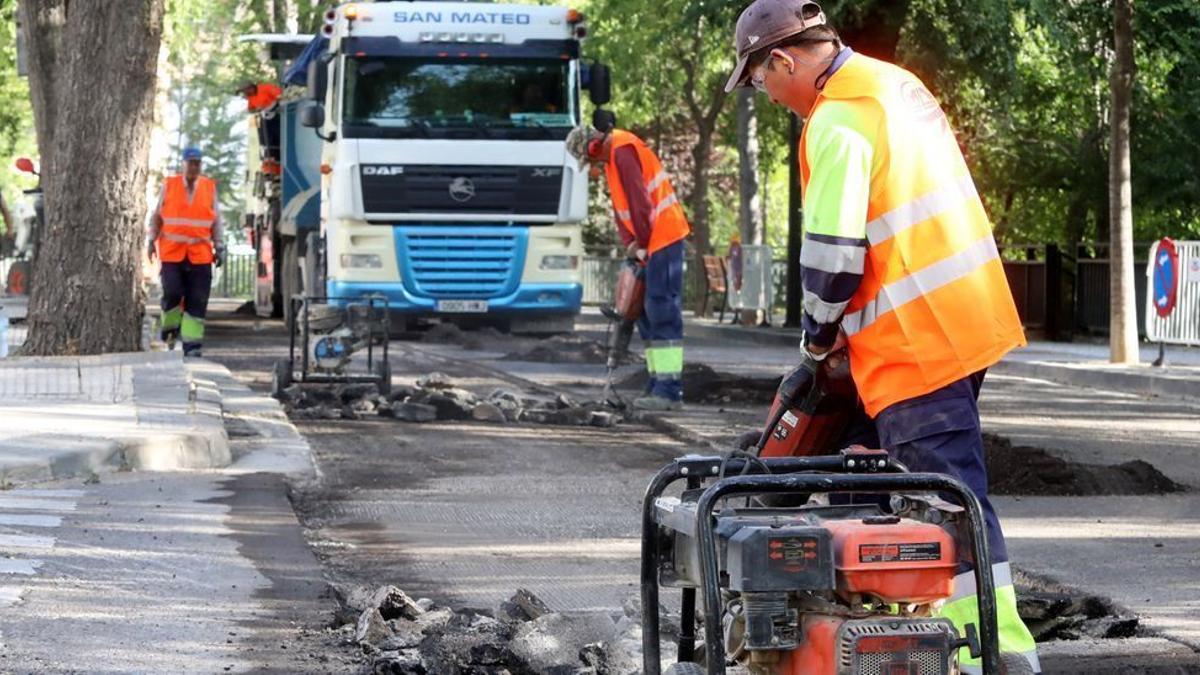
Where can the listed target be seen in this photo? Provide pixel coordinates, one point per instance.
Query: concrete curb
(261, 437)
(771, 337)
(1107, 379)
(162, 418)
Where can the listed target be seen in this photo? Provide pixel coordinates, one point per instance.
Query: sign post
(1164, 281)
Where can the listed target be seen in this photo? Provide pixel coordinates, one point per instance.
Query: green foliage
(17, 137)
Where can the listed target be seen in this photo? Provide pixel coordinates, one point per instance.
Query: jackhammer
(623, 314)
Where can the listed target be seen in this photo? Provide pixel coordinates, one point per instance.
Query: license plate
(462, 306)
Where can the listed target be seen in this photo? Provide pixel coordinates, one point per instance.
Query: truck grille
(461, 263)
(489, 190)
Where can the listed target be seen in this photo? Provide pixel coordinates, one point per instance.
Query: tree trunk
(701, 232)
(750, 220)
(1123, 335)
(87, 296)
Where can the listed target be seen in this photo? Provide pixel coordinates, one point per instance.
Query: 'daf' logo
(383, 170)
(462, 189)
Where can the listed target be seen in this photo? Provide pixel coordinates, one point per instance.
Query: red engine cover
(901, 562)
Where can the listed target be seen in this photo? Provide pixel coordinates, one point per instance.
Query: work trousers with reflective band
(939, 433)
(185, 289)
(661, 325)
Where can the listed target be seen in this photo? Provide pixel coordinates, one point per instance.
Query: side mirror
(312, 115)
(599, 84)
(25, 165)
(603, 120)
(318, 78)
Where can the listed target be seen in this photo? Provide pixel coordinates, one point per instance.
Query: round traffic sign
(1166, 277)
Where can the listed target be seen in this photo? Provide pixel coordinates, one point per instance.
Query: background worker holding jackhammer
(899, 262)
(652, 226)
(186, 230)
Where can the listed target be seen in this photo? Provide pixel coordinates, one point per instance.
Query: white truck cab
(446, 185)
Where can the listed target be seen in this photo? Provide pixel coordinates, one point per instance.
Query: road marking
(33, 492)
(25, 504)
(25, 541)
(29, 520)
(10, 595)
(15, 566)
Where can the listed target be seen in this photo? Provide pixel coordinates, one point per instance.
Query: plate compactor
(810, 563)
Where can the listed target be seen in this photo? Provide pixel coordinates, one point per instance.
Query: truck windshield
(461, 98)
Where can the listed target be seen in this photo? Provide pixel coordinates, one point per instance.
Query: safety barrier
(1182, 326)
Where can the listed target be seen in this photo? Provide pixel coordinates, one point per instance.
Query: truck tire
(289, 283)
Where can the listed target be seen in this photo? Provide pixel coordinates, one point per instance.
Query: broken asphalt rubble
(402, 636)
(436, 397)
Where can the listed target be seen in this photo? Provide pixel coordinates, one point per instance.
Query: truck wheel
(685, 669)
(383, 371)
(290, 276)
(281, 376)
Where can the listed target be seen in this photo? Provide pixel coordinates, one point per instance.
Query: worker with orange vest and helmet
(186, 230)
(898, 259)
(260, 96)
(652, 226)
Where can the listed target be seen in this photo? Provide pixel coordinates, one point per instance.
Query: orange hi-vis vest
(187, 223)
(668, 223)
(934, 304)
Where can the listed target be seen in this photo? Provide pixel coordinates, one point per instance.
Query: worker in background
(260, 96)
(652, 226)
(899, 262)
(186, 229)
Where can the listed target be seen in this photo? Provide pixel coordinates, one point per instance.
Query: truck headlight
(361, 261)
(560, 262)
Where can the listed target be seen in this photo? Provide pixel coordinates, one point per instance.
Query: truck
(425, 161)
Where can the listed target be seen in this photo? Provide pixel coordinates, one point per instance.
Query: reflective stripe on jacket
(187, 223)
(668, 223)
(933, 304)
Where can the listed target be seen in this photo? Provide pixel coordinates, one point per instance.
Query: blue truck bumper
(526, 300)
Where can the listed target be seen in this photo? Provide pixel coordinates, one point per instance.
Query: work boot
(192, 352)
(171, 339)
(656, 404)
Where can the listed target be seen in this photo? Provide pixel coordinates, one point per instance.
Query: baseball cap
(765, 23)
(582, 143)
(190, 154)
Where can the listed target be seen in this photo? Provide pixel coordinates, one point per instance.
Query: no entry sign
(1165, 277)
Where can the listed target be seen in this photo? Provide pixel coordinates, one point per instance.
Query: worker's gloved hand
(151, 251)
(219, 255)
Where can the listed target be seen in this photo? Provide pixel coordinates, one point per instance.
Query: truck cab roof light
(350, 11)
(574, 16)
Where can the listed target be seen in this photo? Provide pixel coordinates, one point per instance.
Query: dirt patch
(1021, 470)
(702, 384)
(1052, 611)
(562, 349)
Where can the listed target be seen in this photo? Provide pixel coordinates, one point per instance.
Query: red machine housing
(815, 424)
(630, 295)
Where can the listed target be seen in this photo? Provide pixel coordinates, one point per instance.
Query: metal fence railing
(235, 278)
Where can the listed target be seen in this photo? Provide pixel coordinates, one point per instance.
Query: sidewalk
(1076, 364)
(75, 416)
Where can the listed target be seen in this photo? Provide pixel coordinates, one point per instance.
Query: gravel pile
(402, 636)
